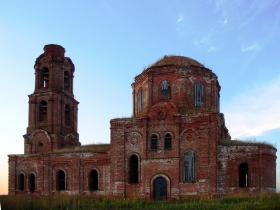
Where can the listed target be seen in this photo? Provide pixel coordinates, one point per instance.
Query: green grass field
(240, 202)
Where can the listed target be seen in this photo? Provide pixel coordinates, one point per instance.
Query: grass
(246, 143)
(240, 202)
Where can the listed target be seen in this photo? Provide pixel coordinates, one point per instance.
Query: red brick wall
(75, 166)
(200, 129)
(261, 164)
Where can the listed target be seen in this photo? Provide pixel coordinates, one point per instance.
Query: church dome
(177, 61)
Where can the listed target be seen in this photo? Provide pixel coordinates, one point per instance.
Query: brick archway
(160, 187)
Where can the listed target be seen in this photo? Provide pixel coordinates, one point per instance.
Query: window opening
(133, 169)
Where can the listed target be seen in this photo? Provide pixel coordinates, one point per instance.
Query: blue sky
(110, 42)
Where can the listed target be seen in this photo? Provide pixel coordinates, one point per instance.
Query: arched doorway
(160, 188)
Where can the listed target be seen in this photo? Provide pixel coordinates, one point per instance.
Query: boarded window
(133, 169)
(32, 183)
(168, 141)
(153, 142)
(21, 182)
(44, 79)
(243, 175)
(189, 167)
(199, 89)
(60, 181)
(140, 100)
(66, 80)
(93, 180)
(165, 89)
(43, 109)
(67, 113)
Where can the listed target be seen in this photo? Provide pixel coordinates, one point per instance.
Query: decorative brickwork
(175, 145)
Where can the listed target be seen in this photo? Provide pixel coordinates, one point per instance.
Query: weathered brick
(52, 145)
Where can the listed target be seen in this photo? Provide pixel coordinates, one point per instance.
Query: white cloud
(255, 111)
(220, 4)
(205, 43)
(252, 47)
(180, 19)
(225, 21)
(212, 48)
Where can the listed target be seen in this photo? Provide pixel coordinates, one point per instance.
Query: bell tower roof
(54, 50)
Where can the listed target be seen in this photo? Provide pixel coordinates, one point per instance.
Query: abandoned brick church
(175, 144)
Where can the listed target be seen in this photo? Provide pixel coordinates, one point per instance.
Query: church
(174, 146)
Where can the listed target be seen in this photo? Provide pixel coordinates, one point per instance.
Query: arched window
(60, 181)
(67, 113)
(243, 175)
(198, 88)
(165, 89)
(154, 142)
(44, 80)
(167, 141)
(43, 110)
(66, 80)
(93, 180)
(32, 183)
(189, 167)
(133, 169)
(21, 179)
(140, 100)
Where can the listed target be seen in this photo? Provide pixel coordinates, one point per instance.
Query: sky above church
(110, 42)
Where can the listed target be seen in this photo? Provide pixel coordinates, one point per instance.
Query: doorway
(160, 188)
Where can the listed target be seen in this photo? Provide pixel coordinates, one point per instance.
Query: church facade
(175, 144)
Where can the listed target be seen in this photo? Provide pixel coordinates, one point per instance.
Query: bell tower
(53, 110)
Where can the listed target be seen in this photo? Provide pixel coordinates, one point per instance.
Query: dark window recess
(66, 80)
(44, 79)
(218, 102)
(40, 147)
(165, 89)
(189, 167)
(43, 109)
(67, 115)
(243, 175)
(32, 183)
(133, 169)
(199, 89)
(21, 182)
(60, 181)
(153, 142)
(93, 180)
(168, 142)
(140, 100)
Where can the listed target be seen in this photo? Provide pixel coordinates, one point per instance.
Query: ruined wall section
(261, 168)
